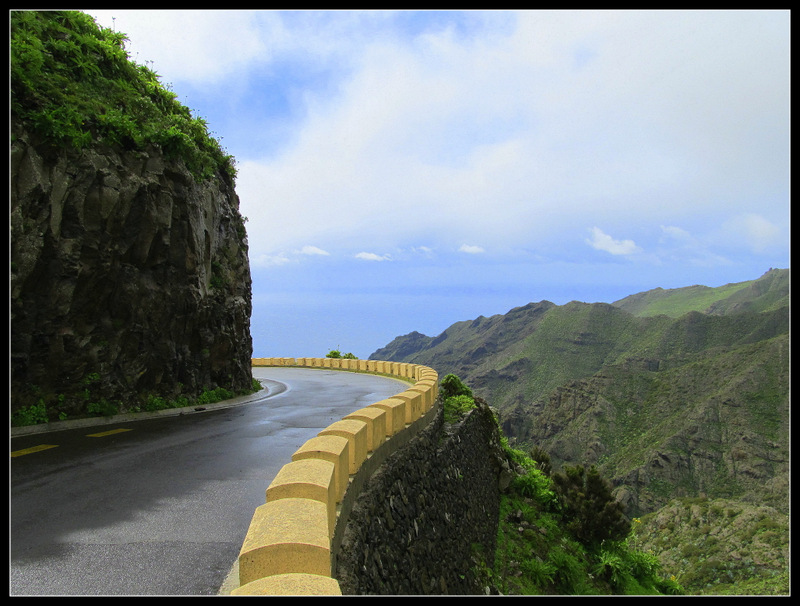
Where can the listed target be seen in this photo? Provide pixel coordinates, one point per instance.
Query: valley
(677, 396)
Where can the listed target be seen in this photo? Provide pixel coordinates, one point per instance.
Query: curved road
(161, 506)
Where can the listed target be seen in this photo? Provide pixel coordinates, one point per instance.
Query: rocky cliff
(129, 276)
(127, 273)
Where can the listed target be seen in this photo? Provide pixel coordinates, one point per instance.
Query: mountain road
(161, 506)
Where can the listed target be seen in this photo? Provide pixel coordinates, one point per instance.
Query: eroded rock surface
(127, 275)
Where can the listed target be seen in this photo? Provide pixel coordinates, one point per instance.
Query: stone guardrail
(290, 545)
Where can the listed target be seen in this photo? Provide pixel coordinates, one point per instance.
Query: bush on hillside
(588, 507)
(335, 353)
(542, 459)
(451, 386)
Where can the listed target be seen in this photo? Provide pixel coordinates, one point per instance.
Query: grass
(677, 302)
(536, 553)
(73, 84)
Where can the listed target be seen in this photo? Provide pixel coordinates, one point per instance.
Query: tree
(451, 386)
(335, 353)
(588, 508)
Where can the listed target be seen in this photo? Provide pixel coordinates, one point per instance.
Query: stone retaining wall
(429, 515)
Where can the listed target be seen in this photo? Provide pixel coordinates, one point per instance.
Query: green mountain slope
(681, 397)
(521, 356)
(770, 291)
(668, 405)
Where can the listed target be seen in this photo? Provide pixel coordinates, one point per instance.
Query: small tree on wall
(451, 386)
(335, 353)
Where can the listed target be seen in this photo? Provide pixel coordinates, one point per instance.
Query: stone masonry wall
(427, 513)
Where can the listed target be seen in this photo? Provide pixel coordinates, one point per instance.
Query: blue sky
(403, 171)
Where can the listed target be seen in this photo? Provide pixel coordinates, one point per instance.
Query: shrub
(455, 407)
(210, 396)
(32, 415)
(588, 507)
(155, 403)
(102, 408)
(533, 482)
(542, 459)
(451, 386)
(335, 353)
(534, 485)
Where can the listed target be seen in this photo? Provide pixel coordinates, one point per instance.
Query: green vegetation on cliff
(720, 546)
(551, 542)
(771, 291)
(72, 82)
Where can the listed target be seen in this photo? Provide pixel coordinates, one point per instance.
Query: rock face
(127, 274)
(428, 514)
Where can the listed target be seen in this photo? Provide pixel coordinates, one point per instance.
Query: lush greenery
(670, 393)
(457, 397)
(73, 83)
(562, 534)
(544, 548)
(335, 353)
(97, 406)
(720, 546)
(588, 506)
(30, 415)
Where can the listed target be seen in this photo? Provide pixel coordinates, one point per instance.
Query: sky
(402, 171)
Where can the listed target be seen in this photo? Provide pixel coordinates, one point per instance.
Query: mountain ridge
(578, 379)
(680, 397)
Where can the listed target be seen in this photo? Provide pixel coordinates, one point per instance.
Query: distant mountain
(671, 392)
(770, 291)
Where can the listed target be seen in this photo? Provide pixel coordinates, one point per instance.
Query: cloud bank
(484, 159)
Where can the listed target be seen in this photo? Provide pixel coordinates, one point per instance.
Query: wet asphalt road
(161, 506)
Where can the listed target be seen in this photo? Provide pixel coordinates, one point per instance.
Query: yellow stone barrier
(356, 432)
(396, 414)
(375, 420)
(287, 549)
(413, 401)
(287, 535)
(294, 583)
(307, 479)
(335, 449)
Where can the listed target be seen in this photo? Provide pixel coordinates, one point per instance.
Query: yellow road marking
(105, 433)
(32, 449)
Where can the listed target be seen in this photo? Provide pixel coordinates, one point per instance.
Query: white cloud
(265, 260)
(512, 136)
(602, 241)
(368, 256)
(471, 249)
(196, 46)
(504, 135)
(313, 250)
(757, 233)
(676, 233)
